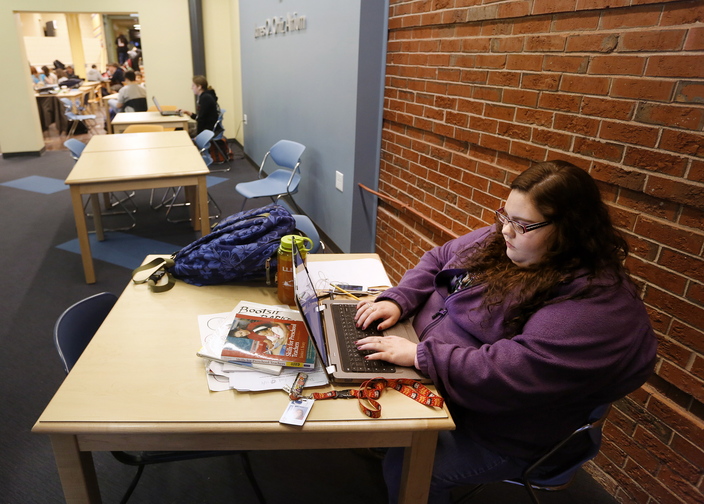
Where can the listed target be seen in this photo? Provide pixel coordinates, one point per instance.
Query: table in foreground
(124, 119)
(116, 398)
(108, 170)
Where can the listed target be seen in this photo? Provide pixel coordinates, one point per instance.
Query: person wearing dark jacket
(207, 111)
(525, 327)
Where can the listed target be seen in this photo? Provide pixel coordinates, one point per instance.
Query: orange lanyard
(369, 391)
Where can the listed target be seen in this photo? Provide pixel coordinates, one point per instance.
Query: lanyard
(369, 391)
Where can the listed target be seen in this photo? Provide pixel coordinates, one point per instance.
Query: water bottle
(284, 259)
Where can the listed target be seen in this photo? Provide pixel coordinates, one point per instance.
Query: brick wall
(477, 90)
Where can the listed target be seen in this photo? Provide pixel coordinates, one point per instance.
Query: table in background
(124, 119)
(52, 111)
(111, 170)
(106, 110)
(124, 403)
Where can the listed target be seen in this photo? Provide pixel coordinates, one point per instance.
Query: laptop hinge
(331, 369)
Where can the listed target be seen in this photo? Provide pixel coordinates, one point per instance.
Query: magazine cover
(268, 334)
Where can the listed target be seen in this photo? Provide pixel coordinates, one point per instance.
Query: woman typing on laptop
(525, 328)
(206, 114)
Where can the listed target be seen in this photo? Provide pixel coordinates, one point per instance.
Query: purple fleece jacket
(519, 396)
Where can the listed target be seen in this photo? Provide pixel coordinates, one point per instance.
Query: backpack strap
(158, 268)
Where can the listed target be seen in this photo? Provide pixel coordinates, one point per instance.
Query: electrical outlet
(339, 181)
(245, 119)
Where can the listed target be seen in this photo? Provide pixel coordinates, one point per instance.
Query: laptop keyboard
(348, 333)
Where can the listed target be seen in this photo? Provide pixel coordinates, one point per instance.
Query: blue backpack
(242, 247)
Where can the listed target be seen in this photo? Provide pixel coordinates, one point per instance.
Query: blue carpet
(212, 180)
(121, 249)
(37, 183)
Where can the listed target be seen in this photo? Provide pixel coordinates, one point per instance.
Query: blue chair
(75, 118)
(202, 141)
(284, 181)
(556, 468)
(306, 227)
(219, 135)
(73, 331)
(76, 147)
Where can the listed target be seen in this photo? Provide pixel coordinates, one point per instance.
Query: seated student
(70, 74)
(129, 92)
(37, 78)
(117, 76)
(49, 76)
(94, 74)
(61, 76)
(207, 111)
(526, 327)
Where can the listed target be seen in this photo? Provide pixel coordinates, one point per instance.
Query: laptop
(329, 320)
(165, 112)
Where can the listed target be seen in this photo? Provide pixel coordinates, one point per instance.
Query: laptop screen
(307, 301)
(156, 103)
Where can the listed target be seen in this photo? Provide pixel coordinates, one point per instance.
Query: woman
(206, 114)
(37, 78)
(525, 328)
(49, 76)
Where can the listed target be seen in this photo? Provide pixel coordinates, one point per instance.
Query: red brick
(552, 139)
(490, 61)
(482, 124)
(689, 450)
(689, 92)
(695, 40)
(652, 41)
(686, 264)
(682, 142)
(577, 124)
(481, 45)
(573, 22)
(532, 116)
(570, 64)
(638, 202)
(601, 4)
(618, 176)
(520, 97)
(507, 44)
(542, 82)
(671, 115)
(543, 43)
(606, 108)
(656, 161)
(502, 78)
(495, 27)
(584, 85)
(515, 9)
(670, 282)
(696, 294)
(598, 42)
(494, 142)
(503, 113)
(487, 93)
(642, 89)
(630, 18)
(682, 379)
(617, 65)
(682, 192)
(687, 66)
(549, 6)
(559, 101)
(447, 74)
(600, 150)
(531, 24)
(512, 130)
(696, 171)
(528, 62)
(682, 13)
(528, 151)
(629, 133)
(474, 76)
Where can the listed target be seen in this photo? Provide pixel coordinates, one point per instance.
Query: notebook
(165, 112)
(328, 320)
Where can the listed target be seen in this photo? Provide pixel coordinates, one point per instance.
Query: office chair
(202, 141)
(143, 128)
(137, 104)
(219, 136)
(284, 181)
(76, 118)
(555, 469)
(75, 147)
(73, 330)
(306, 227)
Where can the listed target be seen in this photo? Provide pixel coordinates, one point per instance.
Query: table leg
(97, 216)
(76, 471)
(202, 199)
(82, 231)
(418, 468)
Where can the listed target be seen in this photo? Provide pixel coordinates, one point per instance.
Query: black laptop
(165, 112)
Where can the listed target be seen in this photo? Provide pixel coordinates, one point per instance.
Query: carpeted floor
(42, 276)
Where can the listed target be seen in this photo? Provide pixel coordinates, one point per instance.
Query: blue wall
(321, 86)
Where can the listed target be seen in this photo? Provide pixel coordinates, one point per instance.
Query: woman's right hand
(387, 312)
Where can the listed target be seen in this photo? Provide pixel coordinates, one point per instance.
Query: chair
(306, 227)
(73, 331)
(202, 141)
(75, 147)
(555, 469)
(137, 104)
(75, 118)
(284, 181)
(219, 136)
(143, 128)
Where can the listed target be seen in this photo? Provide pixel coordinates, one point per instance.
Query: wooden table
(51, 110)
(139, 141)
(124, 119)
(115, 398)
(107, 169)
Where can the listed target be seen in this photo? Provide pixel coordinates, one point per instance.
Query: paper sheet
(369, 272)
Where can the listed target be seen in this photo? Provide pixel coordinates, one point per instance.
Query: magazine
(268, 335)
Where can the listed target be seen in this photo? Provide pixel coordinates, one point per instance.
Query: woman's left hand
(392, 349)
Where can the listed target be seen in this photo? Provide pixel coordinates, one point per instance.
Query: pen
(345, 292)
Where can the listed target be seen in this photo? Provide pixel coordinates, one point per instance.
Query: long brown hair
(585, 243)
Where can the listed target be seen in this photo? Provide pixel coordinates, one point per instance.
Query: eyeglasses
(517, 226)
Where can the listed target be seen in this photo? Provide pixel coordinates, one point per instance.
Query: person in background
(526, 327)
(49, 77)
(61, 76)
(207, 110)
(117, 76)
(94, 74)
(122, 47)
(37, 78)
(70, 73)
(130, 91)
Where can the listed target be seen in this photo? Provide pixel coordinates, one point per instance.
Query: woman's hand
(386, 311)
(391, 349)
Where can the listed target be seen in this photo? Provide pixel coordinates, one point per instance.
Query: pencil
(345, 292)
